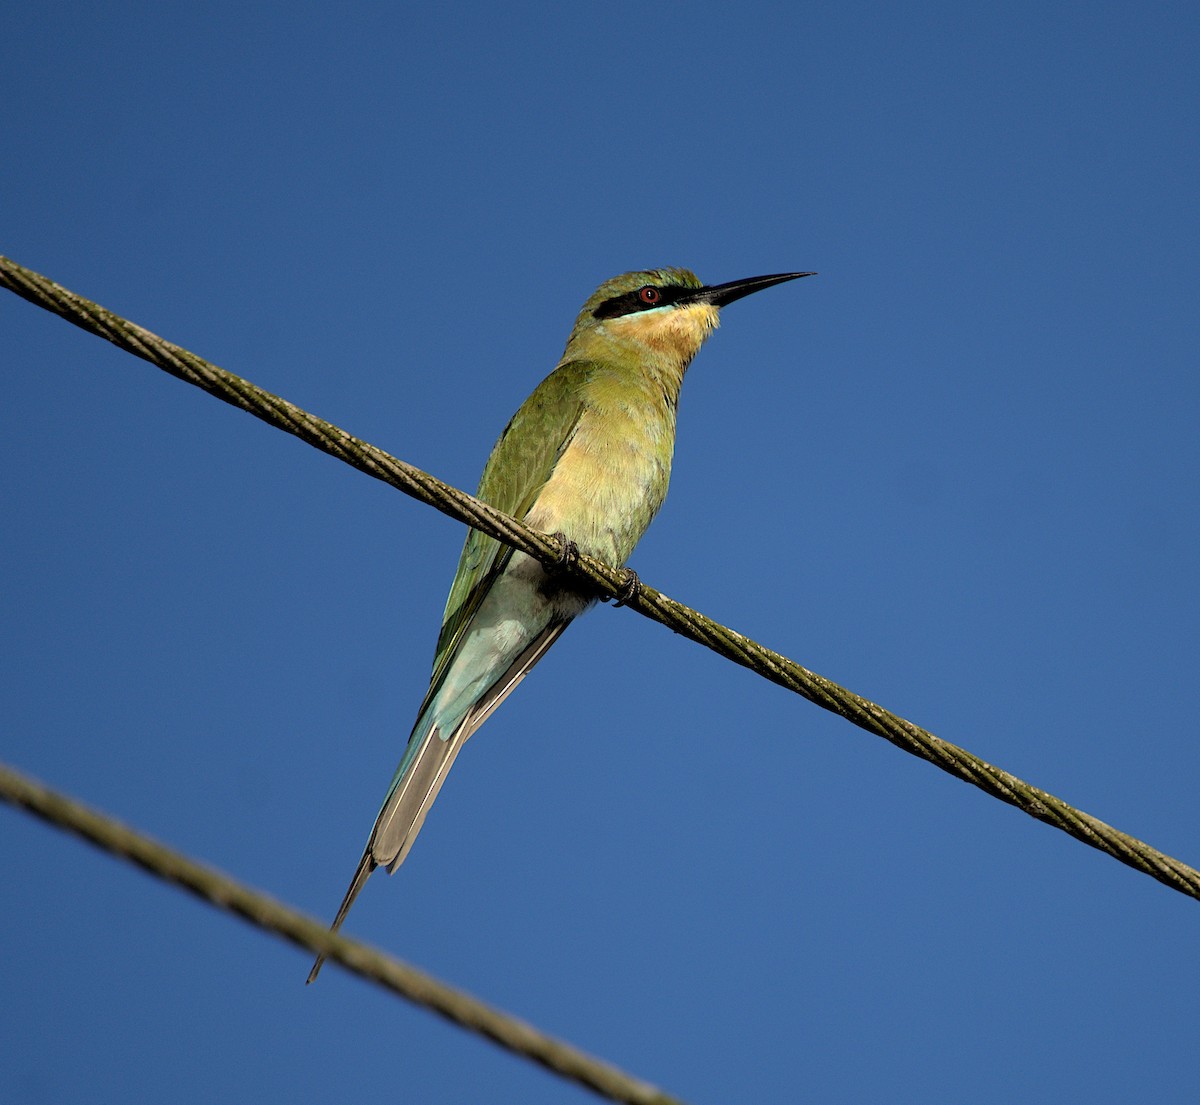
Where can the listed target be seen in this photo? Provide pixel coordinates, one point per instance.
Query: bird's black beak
(721, 295)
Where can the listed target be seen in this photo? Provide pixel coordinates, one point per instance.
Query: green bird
(587, 457)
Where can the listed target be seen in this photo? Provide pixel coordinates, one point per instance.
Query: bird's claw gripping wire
(630, 589)
(568, 558)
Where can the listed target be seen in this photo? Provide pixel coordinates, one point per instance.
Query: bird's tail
(424, 770)
(421, 778)
(424, 767)
(363, 872)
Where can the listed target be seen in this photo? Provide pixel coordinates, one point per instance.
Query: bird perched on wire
(587, 457)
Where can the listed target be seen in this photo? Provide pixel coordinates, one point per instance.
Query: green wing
(520, 464)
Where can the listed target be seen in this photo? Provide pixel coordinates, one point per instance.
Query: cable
(610, 582)
(265, 912)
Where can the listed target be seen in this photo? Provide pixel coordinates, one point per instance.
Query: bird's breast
(611, 478)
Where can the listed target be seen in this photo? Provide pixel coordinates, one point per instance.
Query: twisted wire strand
(220, 890)
(609, 582)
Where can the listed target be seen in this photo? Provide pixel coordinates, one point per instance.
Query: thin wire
(611, 583)
(218, 889)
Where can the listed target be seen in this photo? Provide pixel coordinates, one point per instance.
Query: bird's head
(663, 313)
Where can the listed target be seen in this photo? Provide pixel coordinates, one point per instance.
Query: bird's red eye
(649, 295)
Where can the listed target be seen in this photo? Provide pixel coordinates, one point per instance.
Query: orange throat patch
(676, 333)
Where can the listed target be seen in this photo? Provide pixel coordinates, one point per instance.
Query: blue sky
(956, 472)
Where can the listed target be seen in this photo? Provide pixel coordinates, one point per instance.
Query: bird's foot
(630, 589)
(569, 556)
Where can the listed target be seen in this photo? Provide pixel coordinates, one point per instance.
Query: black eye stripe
(634, 301)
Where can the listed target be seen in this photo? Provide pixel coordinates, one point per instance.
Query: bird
(587, 457)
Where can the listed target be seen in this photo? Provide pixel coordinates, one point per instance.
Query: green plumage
(518, 468)
(588, 455)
